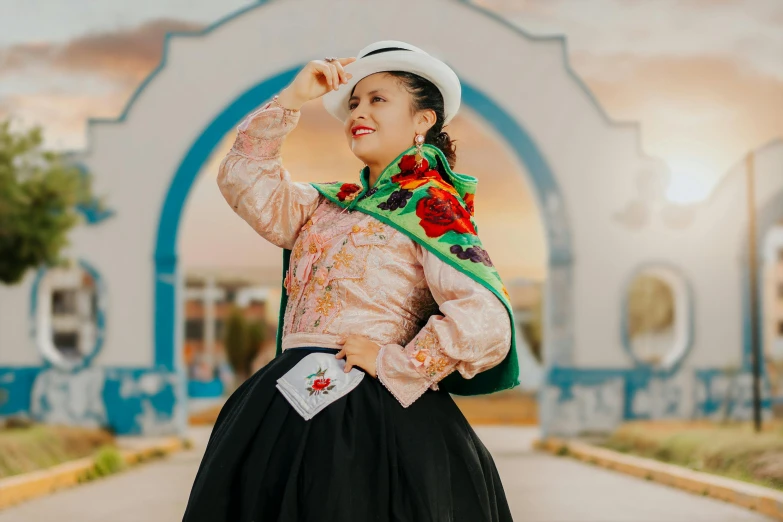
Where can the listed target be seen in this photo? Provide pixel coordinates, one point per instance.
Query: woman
(389, 304)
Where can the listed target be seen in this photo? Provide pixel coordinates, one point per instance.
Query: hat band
(385, 50)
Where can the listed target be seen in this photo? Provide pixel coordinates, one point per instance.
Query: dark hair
(427, 96)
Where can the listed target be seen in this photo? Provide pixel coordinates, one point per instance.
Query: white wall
(598, 166)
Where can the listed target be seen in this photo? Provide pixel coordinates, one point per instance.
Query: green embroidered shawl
(434, 207)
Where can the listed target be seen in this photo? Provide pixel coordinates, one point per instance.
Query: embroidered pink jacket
(429, 318)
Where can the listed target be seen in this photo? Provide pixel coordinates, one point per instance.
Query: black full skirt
(363, 458)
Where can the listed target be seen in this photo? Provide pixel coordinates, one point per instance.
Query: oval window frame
(41, 334)
(683, 315)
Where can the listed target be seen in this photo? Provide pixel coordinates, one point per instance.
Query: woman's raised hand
(314, 80)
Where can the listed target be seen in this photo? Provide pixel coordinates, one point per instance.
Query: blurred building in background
(640, 308)
(209, 298)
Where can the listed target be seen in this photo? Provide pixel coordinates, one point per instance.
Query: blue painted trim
(625, 336)
(16, 386)
(711, 405)
(637, 380)
(92, 212)
(100, 316)
(205, 389)
(32, 320)
(128, 406)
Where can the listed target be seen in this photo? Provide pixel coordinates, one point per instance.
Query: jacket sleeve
(473, 335)
(253, 181)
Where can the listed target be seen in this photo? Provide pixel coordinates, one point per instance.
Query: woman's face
(381, 124)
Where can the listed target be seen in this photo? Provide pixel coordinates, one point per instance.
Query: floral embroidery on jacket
(369, 193)
(426, 355)
(413, 175)
(373, 228)
(348, 191)
(442, 212)
(342, 258)
(469, 202)
(397, 199)
(325, 303)
(475, 253)
(436, 215)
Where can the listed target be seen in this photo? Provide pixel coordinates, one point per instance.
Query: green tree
(39, 195)
(235, 341)
(533, 330)
(256, 335)
(243, 341)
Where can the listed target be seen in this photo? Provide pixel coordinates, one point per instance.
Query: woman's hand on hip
(314, 80)
(358, 351)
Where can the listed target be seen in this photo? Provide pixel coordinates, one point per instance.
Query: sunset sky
(704, 78)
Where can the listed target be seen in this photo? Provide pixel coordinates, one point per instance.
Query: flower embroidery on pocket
(318, 383)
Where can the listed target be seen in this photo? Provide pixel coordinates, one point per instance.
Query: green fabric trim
(283, 303)
(450, 238)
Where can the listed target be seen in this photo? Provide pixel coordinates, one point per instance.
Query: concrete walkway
(540, 488)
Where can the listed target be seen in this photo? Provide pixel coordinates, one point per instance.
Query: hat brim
(426, 66)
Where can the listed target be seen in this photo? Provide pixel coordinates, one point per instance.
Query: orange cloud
(62, 116)
(130, 54)
(712, 109)
(133, 53)
(61, 86)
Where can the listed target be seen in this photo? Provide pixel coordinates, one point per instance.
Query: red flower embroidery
(321, 384)
(348, 190)
(412, 176)
(318, 383)
(442, 212)
(468, 199)
(408, 164)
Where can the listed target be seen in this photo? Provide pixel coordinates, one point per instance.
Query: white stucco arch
(601, 202)
(529, 80)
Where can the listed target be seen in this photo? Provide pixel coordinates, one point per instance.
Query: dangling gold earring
(419, 140)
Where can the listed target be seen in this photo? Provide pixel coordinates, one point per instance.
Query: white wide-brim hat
(391, 55)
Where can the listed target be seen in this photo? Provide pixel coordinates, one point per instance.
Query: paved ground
(540, 487)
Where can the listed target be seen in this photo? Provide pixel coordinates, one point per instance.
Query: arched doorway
(557, 315)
